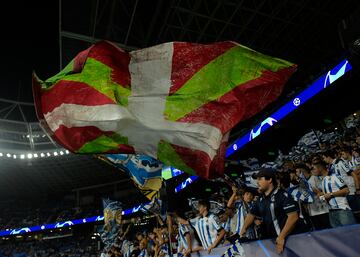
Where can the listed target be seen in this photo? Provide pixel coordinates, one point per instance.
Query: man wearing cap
(275, 207)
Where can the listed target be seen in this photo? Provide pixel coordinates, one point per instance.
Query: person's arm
(249, 219)
(344, 191)
(356, 180)
(291, 209)
(351, 172)
(291, 220)
(159, 237)
(232, 198)
(183, 221)
(188, 240)
(181, 249)
(217, 240)
(221, 232)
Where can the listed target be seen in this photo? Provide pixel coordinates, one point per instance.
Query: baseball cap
(267, 173)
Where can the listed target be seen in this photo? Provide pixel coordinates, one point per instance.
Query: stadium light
(61, 153)
(22, 156)
(67, 151)
(14, 156)
(48, 154)
(42, 155)
(36, 155)
(55, 153)
(29, 156)
(1, 154)
(8, 155)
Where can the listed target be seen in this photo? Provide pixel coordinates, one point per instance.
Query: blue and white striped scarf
(235, 250)
(302, 192)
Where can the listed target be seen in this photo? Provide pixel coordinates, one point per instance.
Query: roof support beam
(92, 40)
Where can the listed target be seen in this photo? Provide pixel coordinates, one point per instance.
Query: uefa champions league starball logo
(296, 101)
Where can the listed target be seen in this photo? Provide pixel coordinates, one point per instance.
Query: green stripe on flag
(54, 79)
(103, 144)
(167, 155)
(97, 75)
(235, 67)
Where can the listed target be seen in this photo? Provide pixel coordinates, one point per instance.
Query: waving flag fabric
(144, 170)
(112, 223)
(175, 102)
(235, 250)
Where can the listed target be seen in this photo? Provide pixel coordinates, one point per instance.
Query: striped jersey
(301, 192)
(235, 223)
(207, 229)
(143, 253)
(341, 168)
(332, 184)
(126, 248)
(354, 163)
(183, 230)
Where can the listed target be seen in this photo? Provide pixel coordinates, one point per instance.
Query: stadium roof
(45, 36)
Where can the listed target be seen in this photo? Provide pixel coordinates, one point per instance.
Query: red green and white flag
(176, 102)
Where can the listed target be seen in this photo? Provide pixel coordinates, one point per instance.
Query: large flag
(175, 102)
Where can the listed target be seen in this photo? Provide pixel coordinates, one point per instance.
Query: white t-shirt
(317, 207)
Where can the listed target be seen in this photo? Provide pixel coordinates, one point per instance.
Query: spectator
(207, 226)
(342, 168)
(277, 210)
(237, 211)
(335, 191)
(187, 242)
(318, 210)
(347, 155)
(143, 248)
(301, 193)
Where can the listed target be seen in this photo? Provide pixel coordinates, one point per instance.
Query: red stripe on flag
(196, 160)
(201, 163)
(115, 58)
(70, 92)
(80, 59)
(188, 58)
(124, 149)
(74, 138)
(242, 102)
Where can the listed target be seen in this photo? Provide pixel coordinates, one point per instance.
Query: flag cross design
(176, 102)
(154, 77)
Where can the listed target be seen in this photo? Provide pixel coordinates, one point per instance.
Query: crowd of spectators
(72, 246)
(320, 190)
(19, 215)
